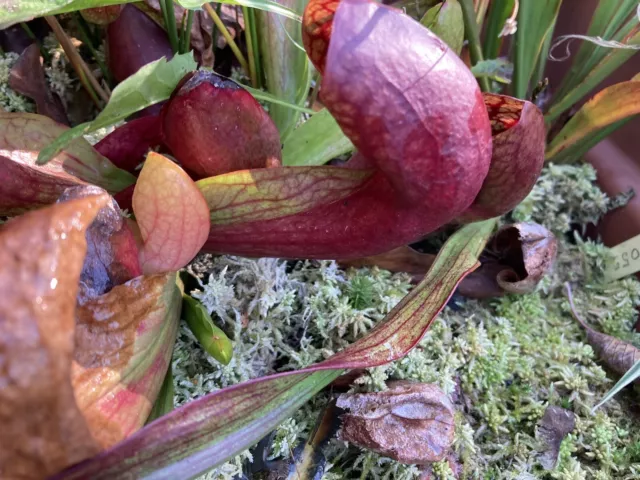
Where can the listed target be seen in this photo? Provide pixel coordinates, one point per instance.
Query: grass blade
(204, 433)
(629, 377)
(536, 20)
(499, 12)
(266, 5)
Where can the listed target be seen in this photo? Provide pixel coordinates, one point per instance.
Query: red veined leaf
(213, 126)
(206, 432)
(124, 342)
(26, 185)
(41, 254)
(172, 215)
(418, 120)
(517, 160)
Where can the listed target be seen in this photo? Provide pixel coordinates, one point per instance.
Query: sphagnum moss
(502, 361)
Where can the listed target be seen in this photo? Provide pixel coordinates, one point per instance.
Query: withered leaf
(616, 354)
(529, 250)
(27, 185)
(41, 254)
(554, 426)
(124, 340)
(27, 77)
(402, 259)
(410, 422)
(112, 253)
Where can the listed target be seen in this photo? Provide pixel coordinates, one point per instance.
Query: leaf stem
(185, 35)
(227, 36)
(471, 32)
(93, 87)
(86, 39)
(316, 89)
(170, 23)
(250, 51)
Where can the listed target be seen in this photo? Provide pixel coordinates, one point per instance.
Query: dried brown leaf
(27, 78)
(410, 422)
(41, 254)
(529, 250)
(616, 355)
(554, 426)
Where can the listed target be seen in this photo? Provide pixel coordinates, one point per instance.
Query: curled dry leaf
(616, 355)
(27, 77)
(128, 144)
(551, 430)
(112, 253)
(41, 254)
(172, 215)
(214, 126)
(529, 250)
(518, 156)
(124, 341)
(26, 185)
(520, 256)
(410, 422)
(125, 52)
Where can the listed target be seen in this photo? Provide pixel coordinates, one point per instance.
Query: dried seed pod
(410, 422)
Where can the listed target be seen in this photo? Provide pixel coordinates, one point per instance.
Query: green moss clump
(502, 361)
(11, 101)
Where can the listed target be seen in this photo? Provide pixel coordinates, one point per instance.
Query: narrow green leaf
(285, 66)
(499, 12)
(315, 142)
(265, 5)
(267, 97)
(632, 374)
(164, 401)
(472, 34)
(15, 11)
(445, 20)
(206, 432)
(213, 340)
(151, 84)
(600, 72)
(536, 20)
(610, 106)
(608, 22)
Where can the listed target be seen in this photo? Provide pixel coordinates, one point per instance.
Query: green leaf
(609, 63)
(213, 340)
(632, 374)
(267, 97)
(286, 67)
(499, 12)
(610, 106)
(608, 22)
(499, 70)
(445, 20)
(208, 431)
(266, 5)
(536, 21)
(151, 84)
(164, 401)
(15, 11)
(315, 142)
